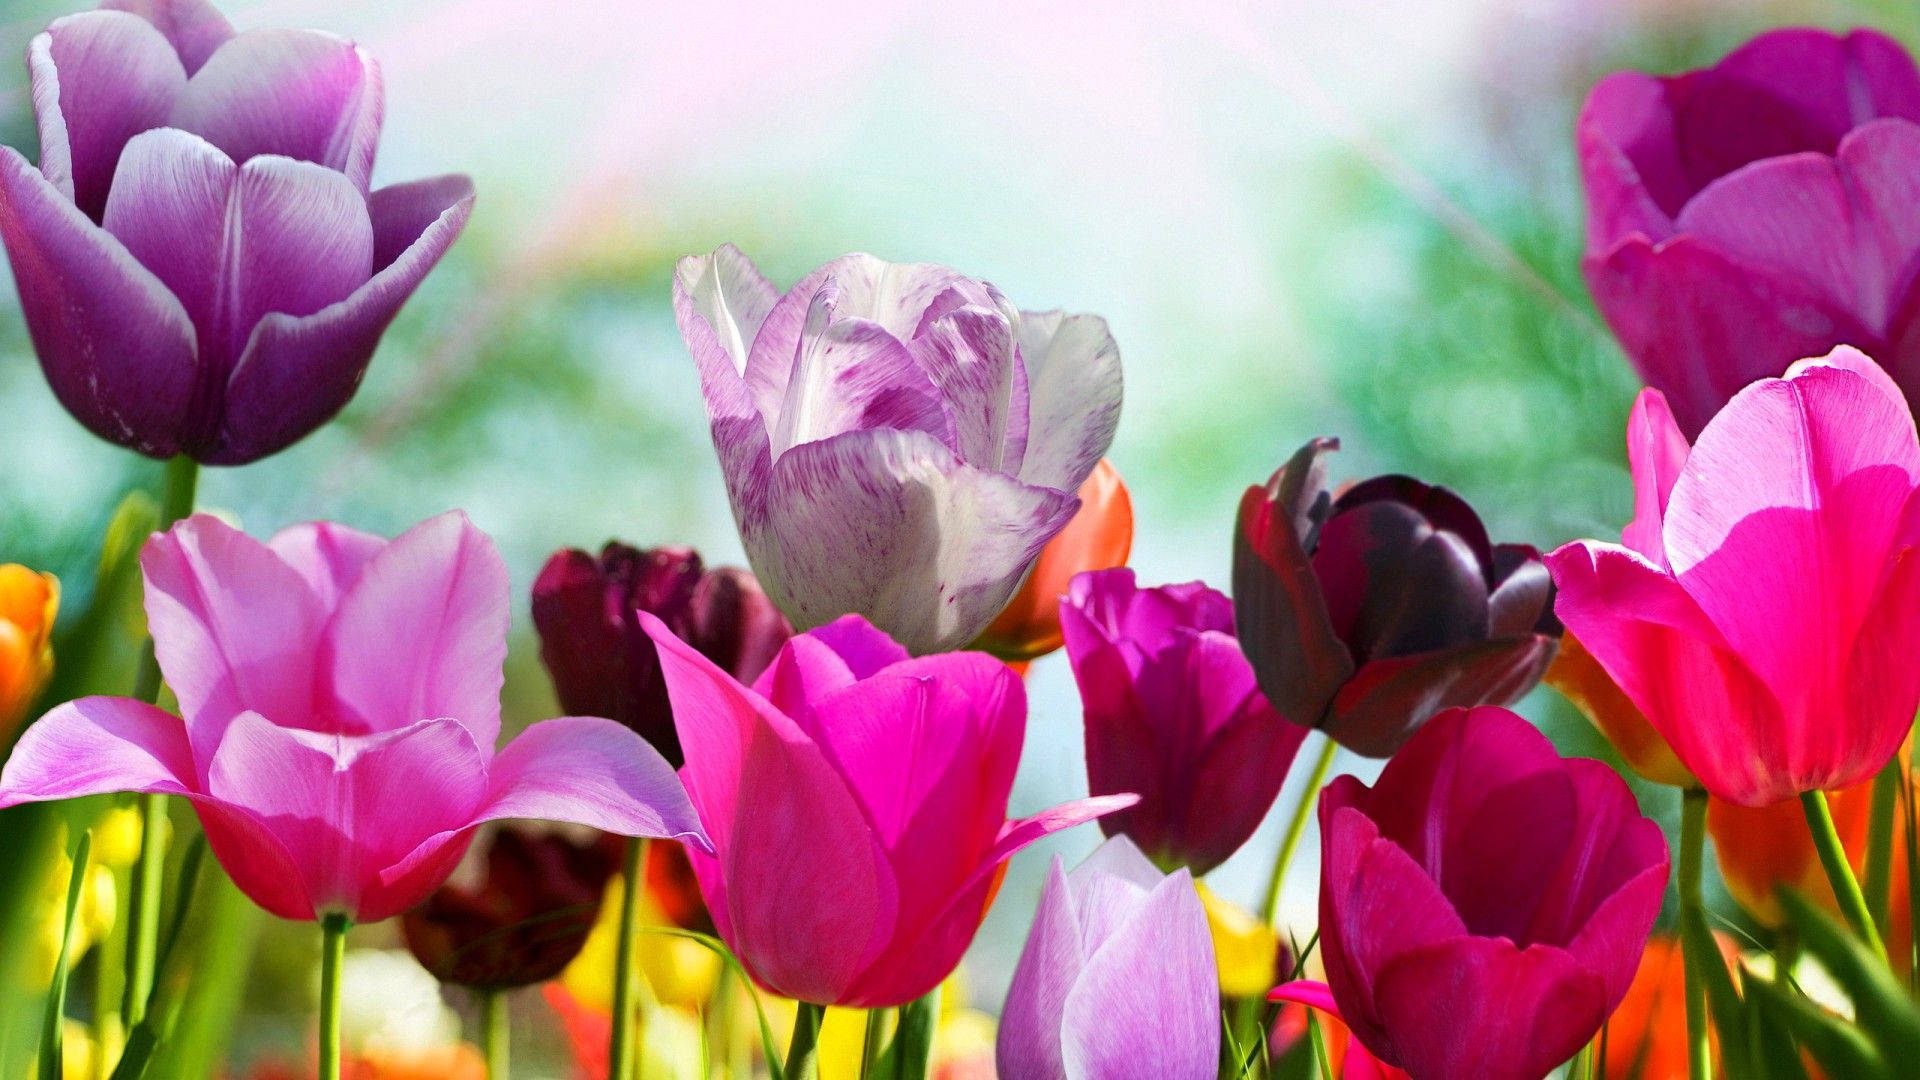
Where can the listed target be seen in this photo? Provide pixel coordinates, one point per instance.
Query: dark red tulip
(603, 664)
(1366, 614)
(524, 919)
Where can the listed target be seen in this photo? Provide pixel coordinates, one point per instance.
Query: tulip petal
(889, 524)
(195, 28)
(1074, 390)
(865, 649)
(1029, 1043)
(99, 78)
(1386, 701)
(1397, 583)
(234, 628)
(720, 301)
(1147, 1002)
(1629, 160)
(969, 355)
(441, 588)
(97, 746)
(298, 93)
(1656, 451)
(851, 374)
(329, 556)
(297, 372)
(593, 772)
(118, 349)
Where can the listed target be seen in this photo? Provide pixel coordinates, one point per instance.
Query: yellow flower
(678, 970)
(1245, 949)
(98, 907)
(28, 601)
(116, 837)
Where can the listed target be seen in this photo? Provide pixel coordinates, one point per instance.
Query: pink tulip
(857, 800)
(1764, 608)
(340, 700)
(1484, 905)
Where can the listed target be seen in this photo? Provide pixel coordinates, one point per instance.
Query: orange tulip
(1099, 537)
(1647, 1035)
(28, 600)
(1581, 679)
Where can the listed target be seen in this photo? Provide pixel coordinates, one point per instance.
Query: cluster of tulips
(915, 465)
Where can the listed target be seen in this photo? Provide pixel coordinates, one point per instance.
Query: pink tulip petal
(329, 556)
(297, 93)
(1628, 157)
(234, 627)
(593, 772)
(1029, 1043)
(441, 588)
(805, 669)
(99, 78)
(1074, 388)
(298, 371)
(96, 746)
(865, 649)
(118, 349)
(1657, 451)
(1359, 1063)
(1112, 1025)
(194, 27)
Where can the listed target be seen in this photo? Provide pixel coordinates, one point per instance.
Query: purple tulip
(1366, 614)
(1756, 212)
(201, 264)
(601, 660)
(1173, 714)
(898, 440)
(1484, 905)
(1117, 977)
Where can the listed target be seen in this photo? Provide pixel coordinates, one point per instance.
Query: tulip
(1646, 1036)
(1366, 614)
(1116, 979)
(603, 664)
(202, 266)
(1755, 212)
(1173, 714)
(1247, 951)
(898, 440)
(1763, 611)
(1582, 681)
(28, 603)
(522, 921)
(857, 803)
(1099, 537)
(1483, 906)
(340, 700)
(1345, 1057)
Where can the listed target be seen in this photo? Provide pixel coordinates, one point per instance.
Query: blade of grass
(53, 1034)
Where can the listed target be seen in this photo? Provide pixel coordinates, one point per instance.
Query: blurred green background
(1300, 218)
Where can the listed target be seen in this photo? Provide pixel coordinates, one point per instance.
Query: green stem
(870, 1048)
(495, 1033)
(1833, 857)
(1297, 827)
(621, 1050)
(803, 1051)
(1886, 802)
(333, 950)
(1693, 838)
(143, 910)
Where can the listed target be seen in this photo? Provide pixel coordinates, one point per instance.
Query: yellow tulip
(1245, 949)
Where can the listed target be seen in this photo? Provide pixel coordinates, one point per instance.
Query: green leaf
(719, 948)
(912, 1045)
(53, 1033)
(1839, 1047)
(1885, 1013)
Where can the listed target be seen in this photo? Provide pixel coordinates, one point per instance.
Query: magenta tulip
(1484, 905)
(202, 266)
(603, 664)
(898, 440)
(1764, 609)
(1117, 977)
(1173, 714)
(1755, 212)
(857, 801)
(340, 701)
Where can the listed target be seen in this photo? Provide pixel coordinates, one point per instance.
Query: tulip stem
(1886, 801)
(177, 491)
(333, 950)
(495, 1032)
(1833, 857)
(803, 1057)
(870, 1048)
(1693, 842)
(621, 1050)
(1296, 828)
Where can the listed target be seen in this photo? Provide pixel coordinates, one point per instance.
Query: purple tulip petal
(851, 374)
(889, 524)
(720, 301)
(118, 349)
(329, 556)
(1387, 700)
(98, 746)
(969, 355)
(234, 627)
(592, 772)
(1029, 1043)
(194, 27)
(441, 588)
(296, 373)
(1074, 389)
(99, 79)
(1147, 1002)
(298, 93)
(1397, 584)
(1630, 161)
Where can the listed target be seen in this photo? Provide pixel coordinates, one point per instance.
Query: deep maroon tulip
(1173, 715)
(603, 664)
(1484, 905)
(1366, 614)
(1756, 212)
(524, 918)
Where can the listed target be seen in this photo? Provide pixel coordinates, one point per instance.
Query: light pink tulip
(1764, 609)
(857, 800)
(340, 700)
